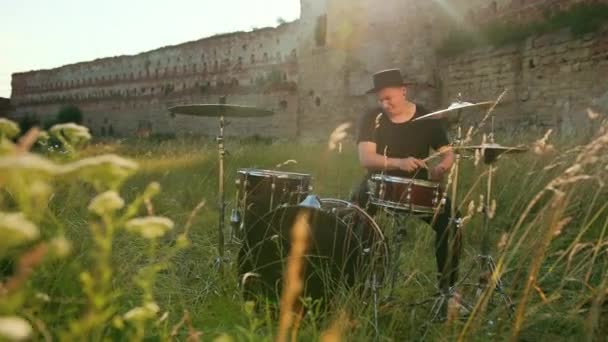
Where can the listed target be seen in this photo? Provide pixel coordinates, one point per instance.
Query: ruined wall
(133, 92)
(551, 79)
(314, 72)
(343, 42)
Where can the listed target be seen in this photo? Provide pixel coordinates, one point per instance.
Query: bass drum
(344, 248)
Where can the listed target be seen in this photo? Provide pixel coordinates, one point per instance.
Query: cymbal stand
(221, 202)
(487, 263)
(399, 234)
(439, 308)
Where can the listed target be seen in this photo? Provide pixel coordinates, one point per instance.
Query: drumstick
(438, 153)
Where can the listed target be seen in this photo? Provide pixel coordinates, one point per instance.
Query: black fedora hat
(387, 78)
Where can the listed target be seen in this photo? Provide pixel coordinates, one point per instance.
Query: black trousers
(448, 237)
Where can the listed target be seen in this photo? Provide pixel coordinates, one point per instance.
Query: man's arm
(369, 159)
(447, 160)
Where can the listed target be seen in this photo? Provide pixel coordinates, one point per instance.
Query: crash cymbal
(493, 147)
(216, 110)
(492, 151)
(454, 108)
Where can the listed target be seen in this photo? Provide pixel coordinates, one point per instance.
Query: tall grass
(549, 238)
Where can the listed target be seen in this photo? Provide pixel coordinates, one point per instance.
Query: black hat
(387, 78)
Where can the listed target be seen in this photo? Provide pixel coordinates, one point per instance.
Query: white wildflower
(142, 313)
(16, 229)
(8, 129)
(60, 247)
(338, 135)
(150, 227)
(106, 203)
(13, 328)
(28, 162)
(74, 134)
(106, 170)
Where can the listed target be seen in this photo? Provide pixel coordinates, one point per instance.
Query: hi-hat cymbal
(492, 151)
(456, 107)
(492, 147)
(217, 110)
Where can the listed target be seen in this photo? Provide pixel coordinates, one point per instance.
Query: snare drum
(260, 191)
(397, 193)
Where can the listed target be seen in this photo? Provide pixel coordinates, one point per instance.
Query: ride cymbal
(456, 107)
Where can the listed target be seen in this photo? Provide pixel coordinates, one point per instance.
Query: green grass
(187, 172)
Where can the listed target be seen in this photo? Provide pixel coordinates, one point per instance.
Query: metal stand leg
(221, 202)
(398, 239)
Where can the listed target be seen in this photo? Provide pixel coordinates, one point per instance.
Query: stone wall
(551, 79)
(131, 92)
(314, 72)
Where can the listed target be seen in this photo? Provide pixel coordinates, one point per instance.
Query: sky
(44, 34)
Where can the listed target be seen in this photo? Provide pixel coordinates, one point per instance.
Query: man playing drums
(388, 141)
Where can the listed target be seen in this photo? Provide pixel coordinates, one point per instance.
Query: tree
(68, 114)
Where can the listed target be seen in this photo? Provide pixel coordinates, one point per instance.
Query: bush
(69, 114)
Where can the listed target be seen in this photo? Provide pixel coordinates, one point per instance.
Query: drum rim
(404, 180)
(358, 208)
(269, 173)
(400, 206)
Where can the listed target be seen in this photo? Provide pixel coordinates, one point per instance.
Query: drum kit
(346, 247)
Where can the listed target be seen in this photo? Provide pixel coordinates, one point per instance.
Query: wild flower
(13, 328)
(106, 203)
(28, 163)
(150, 227)
(16, 230)
(106, 171)
(71, 133)
(142, 313)
(338, 135)
(8, 129)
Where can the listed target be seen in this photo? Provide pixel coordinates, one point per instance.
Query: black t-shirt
(402, 140)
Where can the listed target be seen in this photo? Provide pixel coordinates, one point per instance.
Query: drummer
(388, 141)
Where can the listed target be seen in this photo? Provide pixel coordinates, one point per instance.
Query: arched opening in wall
(184, 69)
(284, 77)
(244, 47)
(283, 105)
(111, 131)
(103, 131)
(234, 82)
(265, 57)
(252, 58)
(318, 101)
(531, 64)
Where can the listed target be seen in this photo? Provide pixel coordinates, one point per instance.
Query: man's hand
(411, 164)
(437, 173)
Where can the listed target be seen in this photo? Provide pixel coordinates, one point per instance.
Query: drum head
(338, 254)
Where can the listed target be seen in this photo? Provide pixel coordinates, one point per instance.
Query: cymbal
(217, 110)
(455, 107)
(493, 148)
(492, 151)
